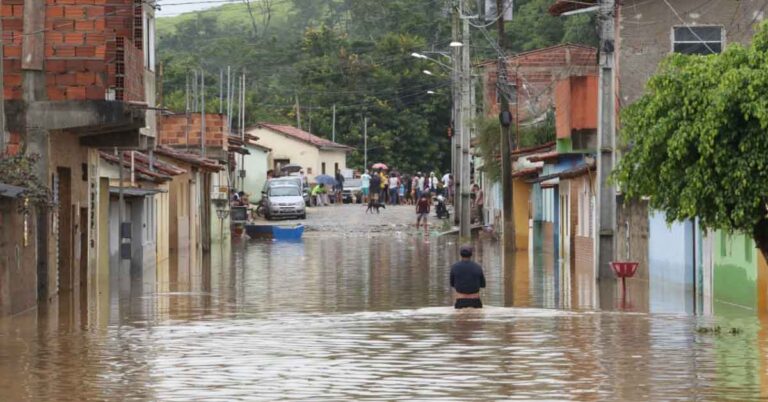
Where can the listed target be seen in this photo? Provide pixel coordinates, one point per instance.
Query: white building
(292, 145)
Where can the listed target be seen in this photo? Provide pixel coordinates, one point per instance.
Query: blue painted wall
(671, 264)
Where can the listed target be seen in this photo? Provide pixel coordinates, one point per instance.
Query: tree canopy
(352, 54)
(698, 140)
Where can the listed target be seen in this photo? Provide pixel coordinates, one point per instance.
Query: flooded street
(359, 309)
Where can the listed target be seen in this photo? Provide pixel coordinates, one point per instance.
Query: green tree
(534, 28)
(698, 140)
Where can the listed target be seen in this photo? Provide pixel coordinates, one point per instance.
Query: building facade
(291, 145)
(77, 78)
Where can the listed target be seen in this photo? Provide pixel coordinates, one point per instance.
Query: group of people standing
(402, 189)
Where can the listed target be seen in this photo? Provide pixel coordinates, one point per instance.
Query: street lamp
(455, 44)
(427, 72)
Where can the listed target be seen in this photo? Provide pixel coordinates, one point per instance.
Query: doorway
(65, 230)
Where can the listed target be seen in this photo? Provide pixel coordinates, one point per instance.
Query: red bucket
(624, 269)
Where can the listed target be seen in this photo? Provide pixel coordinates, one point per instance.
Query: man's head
(465, 251)
(322, 185)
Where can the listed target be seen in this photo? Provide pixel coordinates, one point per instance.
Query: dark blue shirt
(467, 277)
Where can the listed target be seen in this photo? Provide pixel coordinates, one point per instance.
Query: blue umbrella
(325, 179)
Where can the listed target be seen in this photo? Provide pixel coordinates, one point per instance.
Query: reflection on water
(350, 317)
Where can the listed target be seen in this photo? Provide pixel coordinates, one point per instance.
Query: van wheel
(303, 216)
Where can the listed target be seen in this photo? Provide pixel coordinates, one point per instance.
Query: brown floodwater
(355, 316)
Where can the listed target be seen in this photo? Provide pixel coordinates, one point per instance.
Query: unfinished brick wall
(12, 13)
(536, 73)
(82, 42)
(172, 130)
(575, 105)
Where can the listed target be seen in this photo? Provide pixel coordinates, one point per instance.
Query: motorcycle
(441, 210)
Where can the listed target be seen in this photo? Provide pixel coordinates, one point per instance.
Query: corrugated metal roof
(135, 192)
(9, 191)
(188, 157)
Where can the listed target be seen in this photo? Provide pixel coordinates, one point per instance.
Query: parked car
(284, 200)
(352, 191)
(296, 180)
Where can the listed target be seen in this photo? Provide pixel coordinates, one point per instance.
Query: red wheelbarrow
(624, 270)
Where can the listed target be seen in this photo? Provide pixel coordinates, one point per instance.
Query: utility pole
(298, 113)
(186, 113)
(333, 136)
(242, 130)
(466, 83)
(456, 93)
(194, 92)
(202, 114)
(229, 99)
(606, 193)
(221, 90)
(505, 120)
(365, 143)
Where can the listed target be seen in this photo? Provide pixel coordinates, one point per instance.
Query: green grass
(226, 15)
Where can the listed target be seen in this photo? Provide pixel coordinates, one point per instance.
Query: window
(309, 170)
(335, 167)
(322, 168)
(279, 163)
(697, 40)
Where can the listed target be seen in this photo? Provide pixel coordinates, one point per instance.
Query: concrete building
(535, 75)
(255, 163)
(184, 214)
(292, 145)
(677, 259)
(18, 279)
(138, 243)
(183, 133)
(76, 77)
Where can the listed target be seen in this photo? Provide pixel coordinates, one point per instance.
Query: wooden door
(65, 229)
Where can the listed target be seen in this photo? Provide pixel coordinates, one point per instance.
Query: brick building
(78, 76)
(535, 74)
(678, 261)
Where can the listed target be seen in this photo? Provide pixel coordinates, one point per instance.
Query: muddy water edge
(345, 315)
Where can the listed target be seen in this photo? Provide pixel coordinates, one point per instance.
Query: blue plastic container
(258, 231)
(287, 232)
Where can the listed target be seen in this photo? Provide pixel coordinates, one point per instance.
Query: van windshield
(284, 191)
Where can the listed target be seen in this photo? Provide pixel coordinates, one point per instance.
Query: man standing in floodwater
(467, 279)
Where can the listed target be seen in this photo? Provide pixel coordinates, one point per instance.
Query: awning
(575, 171)
(135, 192)
(7, 190)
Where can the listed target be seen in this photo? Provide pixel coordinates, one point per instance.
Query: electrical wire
(687, 25)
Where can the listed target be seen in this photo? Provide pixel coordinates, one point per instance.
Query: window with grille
(697, 40)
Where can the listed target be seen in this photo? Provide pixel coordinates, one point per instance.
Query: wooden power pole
(505, 120)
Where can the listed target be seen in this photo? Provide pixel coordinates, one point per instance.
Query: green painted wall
(563, 145)
(735, 278)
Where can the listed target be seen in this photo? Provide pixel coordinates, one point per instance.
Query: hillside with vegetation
(309, 55)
